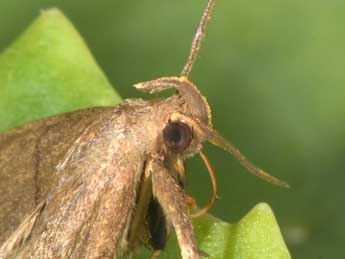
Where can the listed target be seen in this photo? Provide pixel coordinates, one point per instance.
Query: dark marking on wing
(157, 225)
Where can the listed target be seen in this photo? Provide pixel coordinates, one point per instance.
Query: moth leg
(171, 197)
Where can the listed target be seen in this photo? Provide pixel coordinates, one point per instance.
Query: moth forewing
(28, 159)
(93, 196)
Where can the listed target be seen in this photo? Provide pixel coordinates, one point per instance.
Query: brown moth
(99, 183)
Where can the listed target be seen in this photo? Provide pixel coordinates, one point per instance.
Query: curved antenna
(210, 203)
(198, 37)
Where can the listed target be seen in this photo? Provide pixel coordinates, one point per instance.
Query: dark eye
(177, 136)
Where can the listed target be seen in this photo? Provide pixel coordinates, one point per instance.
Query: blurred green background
(273, 74)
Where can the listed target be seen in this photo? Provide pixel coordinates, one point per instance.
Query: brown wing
(90, 198)
(28, 159)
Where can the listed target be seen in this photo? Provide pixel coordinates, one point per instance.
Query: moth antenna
(212, 174)
(221, 142)
(198, 37)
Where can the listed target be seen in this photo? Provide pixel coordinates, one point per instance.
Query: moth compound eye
(177, 136)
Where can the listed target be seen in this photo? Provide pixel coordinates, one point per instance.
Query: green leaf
(49, 70)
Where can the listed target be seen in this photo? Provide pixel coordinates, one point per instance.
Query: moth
(101, 182)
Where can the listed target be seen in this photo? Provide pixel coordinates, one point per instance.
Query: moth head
(188, 126)
(186, 130)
